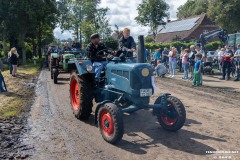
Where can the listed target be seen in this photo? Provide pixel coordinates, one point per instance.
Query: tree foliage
(192, 7)
(32, 20)
(225, 14)
(152, 13)
(210, 46)
(84, 17)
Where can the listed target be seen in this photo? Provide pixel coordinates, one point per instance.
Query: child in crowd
(197, 71)
(185, 63)
(160, 69)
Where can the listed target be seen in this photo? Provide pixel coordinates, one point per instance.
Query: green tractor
(59, 63)
(124, 88)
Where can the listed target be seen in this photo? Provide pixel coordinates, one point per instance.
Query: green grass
(18, 96)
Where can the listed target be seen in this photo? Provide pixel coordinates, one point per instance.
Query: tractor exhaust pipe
(141, 50)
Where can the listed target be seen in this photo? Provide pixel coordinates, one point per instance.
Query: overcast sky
(122, 13)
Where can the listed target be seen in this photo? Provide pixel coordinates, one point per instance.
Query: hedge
(152, 46)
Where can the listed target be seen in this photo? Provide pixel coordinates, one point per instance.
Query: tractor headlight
(89, 68)
(145, 72)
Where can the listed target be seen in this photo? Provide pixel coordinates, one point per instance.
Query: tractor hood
(130, 77)
(68, 56)
(131, 67)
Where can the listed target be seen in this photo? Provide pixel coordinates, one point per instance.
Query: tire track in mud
(57, 134)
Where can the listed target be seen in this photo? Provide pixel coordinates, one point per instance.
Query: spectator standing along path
(1, 77)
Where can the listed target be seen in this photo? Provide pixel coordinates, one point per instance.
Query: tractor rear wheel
(81, 96)
(110, 123)
(55, 76)
(175, 116)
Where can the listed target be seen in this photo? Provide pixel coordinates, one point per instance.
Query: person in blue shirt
(156, 56)
(146, 54)
(197, 71)
(237, 56)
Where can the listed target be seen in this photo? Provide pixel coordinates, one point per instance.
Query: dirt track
(212, 125)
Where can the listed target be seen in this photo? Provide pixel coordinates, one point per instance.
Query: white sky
(123, 13)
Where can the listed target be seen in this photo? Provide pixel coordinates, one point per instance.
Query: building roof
(183, 29)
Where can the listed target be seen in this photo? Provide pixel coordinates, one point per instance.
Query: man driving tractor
(96, 53)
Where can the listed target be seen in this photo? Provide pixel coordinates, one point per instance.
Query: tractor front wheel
(55, 76)
(174, 117)
(110, 123)
(81, 96)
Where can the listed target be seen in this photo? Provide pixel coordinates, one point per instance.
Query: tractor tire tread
(117, 116)
(180, 109)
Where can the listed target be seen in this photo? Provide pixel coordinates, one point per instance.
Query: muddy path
(212, 125)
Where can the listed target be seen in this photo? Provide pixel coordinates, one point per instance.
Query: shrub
(152, 46)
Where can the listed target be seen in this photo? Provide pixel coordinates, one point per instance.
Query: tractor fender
(99, 105)
(162, 100)
(80, 66)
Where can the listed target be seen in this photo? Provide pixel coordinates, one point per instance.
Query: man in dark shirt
(96, 53)
(76, 45)
(66, 48)
(127, 45)
(165, 53)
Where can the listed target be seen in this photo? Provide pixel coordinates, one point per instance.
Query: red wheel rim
(168, 120)
(107, 123)
(75, 94)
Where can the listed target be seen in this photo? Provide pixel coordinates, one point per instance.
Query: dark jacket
(94, 54)
(76, 45)
(125, 44)
(65, 49)
(14, 59)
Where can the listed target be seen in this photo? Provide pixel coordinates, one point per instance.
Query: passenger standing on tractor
(237, 55)
(127, 45)
(96, 53)
(226, 63)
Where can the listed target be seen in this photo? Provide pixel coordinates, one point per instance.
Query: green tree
(149, 39)
(225, 14)
(26, 19)
(78, 15)
(192, 7)
(112, 43)
(152, 13)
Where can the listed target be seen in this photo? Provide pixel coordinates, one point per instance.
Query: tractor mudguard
(99, 105)
(163, 102)
(54, 55)
(81, 66)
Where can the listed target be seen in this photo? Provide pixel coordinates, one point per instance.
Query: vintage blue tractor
(124, 88)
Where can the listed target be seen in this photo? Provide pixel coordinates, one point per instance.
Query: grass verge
(21, 90)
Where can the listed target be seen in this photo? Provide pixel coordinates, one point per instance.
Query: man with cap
(96, 54)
